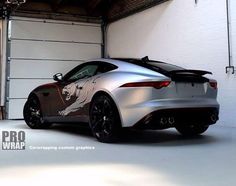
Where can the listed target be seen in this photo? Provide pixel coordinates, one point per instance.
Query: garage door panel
(55, 31)
(27, 86)
(38, 49)
(46, 69)
(54, 50)
(15, 106)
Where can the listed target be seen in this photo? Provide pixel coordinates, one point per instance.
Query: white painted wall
(186, 34)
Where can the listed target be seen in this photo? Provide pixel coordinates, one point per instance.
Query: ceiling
(89, 10)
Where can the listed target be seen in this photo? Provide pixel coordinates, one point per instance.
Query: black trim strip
(198, 72)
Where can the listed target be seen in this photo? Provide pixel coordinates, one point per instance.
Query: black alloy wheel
(104, 119)
(33, 114)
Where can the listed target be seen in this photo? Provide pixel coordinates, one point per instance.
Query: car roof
(125, 65)
(143, 64)
(123, 61)
(120, 62)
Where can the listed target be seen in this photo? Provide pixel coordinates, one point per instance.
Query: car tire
(33, 115)
(104, 119)
(191, 130)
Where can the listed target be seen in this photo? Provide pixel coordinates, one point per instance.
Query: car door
(69, 100)
(77, 91)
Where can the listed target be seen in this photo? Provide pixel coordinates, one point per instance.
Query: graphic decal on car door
(82, 90)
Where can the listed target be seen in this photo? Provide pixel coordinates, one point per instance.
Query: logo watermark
(13, 140)
(59, 148)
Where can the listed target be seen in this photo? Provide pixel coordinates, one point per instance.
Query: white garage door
(38, 49)
(233, 30)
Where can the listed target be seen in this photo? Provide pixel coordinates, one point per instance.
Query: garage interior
(40, 38)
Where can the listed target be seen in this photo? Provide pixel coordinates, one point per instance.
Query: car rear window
(157, 66)
(165, 66)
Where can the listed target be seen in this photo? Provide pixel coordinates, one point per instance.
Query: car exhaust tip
(171, 120)
(163, 121)
(214, 118)
(167, 121)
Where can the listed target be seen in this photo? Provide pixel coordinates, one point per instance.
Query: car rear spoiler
(197, 72)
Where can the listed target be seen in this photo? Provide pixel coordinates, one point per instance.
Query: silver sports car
(111, 94)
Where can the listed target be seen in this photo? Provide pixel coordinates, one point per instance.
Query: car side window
(83, 72)
(105, 67)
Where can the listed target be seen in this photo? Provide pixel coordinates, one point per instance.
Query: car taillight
(154, 84)
(213, 84)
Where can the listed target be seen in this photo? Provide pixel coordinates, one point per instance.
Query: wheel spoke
(97, 125)
(33, 113)
(100, 121)
(106, 106)
(106, 132)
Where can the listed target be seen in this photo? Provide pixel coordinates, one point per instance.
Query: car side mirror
(58, 77)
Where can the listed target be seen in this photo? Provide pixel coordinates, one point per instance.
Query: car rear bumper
(133, 113)
(167, 118)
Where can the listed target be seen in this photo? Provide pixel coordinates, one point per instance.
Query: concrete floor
(143, 158)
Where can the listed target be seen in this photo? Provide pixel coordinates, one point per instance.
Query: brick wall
(187, 34)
